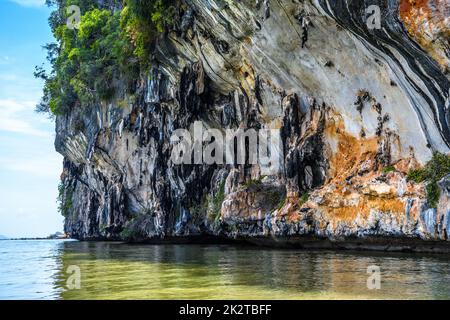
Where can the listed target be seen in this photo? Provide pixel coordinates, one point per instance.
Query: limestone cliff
(357, 108)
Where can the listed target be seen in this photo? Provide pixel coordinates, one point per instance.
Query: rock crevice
(293, 66)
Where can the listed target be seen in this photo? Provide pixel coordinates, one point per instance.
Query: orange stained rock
(351, 152)
(291, 209)
(365, 205)
(425, 21)
(343, 201)
(413, 10)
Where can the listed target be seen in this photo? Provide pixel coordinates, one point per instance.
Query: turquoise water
(45, 270)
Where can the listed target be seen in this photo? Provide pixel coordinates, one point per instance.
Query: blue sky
(29, 166)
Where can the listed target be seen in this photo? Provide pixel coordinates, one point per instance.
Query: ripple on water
(37, 270)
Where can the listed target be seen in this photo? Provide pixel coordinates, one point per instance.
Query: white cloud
(5, 60)
(8, 77)
(15, 117)
(30, 3)
(44, 166)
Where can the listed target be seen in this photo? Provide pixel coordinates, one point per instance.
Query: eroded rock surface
(349, 101)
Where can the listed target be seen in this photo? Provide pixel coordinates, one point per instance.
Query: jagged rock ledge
(357, 109)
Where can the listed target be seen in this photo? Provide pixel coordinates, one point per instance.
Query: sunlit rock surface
(349, 102)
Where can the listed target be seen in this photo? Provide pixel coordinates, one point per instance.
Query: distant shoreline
(28, 239)
(55, 236)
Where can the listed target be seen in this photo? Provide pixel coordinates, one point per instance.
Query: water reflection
(28, 269)
(38, 270)
(121, 271)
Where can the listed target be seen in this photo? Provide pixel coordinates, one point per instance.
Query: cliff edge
(361, 108)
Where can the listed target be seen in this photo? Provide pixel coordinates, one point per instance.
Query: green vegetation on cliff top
(104, 56)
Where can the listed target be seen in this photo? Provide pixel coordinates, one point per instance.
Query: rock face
(348, 100)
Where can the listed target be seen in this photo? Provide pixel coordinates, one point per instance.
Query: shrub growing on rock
(435, 169)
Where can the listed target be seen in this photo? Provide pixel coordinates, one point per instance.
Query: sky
(29, 165)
